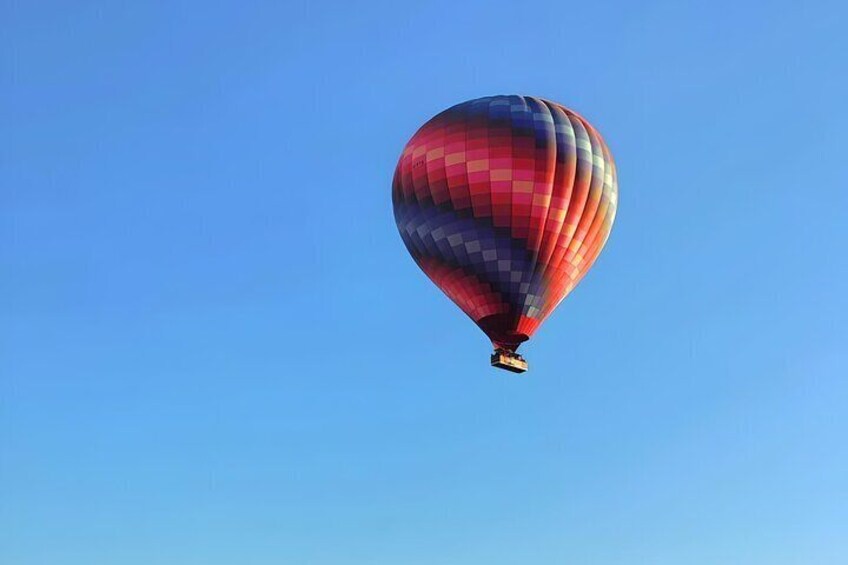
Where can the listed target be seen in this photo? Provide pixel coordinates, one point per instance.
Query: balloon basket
(508, 361)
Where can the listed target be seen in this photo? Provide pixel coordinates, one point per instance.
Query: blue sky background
(214, 348)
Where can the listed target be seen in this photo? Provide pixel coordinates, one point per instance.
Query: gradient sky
(215, 349)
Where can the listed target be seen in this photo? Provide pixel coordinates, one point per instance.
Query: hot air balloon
(505, 202)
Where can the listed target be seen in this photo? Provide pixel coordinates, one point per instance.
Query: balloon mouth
(500, 329)
(509, 343)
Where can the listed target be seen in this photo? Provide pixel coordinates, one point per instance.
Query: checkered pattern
(505, 202)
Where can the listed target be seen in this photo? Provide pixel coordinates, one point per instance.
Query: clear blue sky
(216, 350)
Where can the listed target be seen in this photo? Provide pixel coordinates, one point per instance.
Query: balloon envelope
(505, 202)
